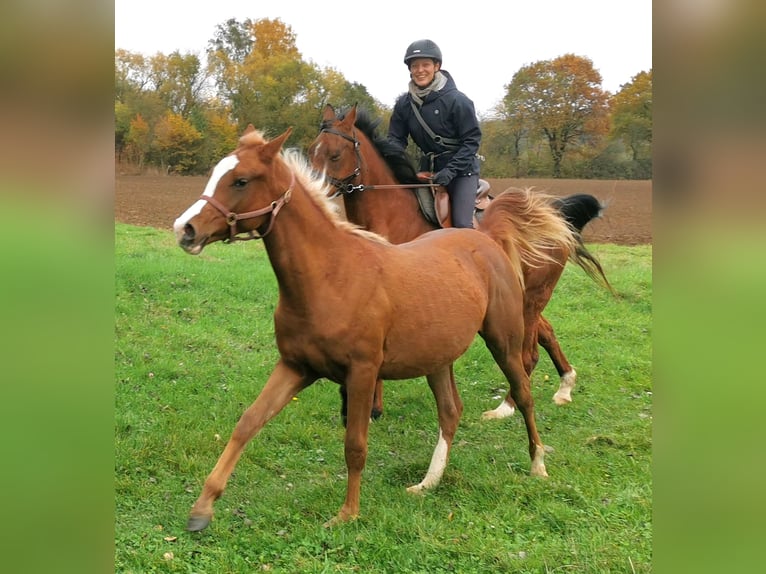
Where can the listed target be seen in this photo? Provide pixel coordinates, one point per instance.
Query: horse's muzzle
(187, 238)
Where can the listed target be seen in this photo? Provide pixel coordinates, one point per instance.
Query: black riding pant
(462, 196)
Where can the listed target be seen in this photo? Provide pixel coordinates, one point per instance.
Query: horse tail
(578, 210)
(529, 228)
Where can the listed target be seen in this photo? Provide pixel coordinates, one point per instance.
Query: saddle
(435, 205)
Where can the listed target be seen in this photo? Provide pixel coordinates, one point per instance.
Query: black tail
(579, 209)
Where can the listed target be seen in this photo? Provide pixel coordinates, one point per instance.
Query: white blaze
(224, 166)
(317, 149)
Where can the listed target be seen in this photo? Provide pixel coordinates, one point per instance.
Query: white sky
(483, 42)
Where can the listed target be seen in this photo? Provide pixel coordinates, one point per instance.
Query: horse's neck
(391, 212)
(303, 246)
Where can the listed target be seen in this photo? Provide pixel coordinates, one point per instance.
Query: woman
(442, 122)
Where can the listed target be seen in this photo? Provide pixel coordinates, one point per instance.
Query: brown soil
(155, 201)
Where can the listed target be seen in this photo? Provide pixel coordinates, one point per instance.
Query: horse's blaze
(182, 221)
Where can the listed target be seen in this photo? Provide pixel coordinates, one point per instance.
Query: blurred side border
(56, 291)
(709, 281)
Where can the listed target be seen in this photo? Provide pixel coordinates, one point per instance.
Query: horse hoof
(562, 399)
(376, 414)
(335, 520)
(197, 523)
(539, 472)
(503, 410)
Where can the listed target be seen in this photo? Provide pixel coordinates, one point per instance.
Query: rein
(344, 185)
(232, 218)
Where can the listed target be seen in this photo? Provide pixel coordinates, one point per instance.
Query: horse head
(335, 151)
(243, 195)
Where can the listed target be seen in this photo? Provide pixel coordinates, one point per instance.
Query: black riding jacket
(449, 113)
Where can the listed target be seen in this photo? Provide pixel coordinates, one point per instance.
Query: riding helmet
(422, 49)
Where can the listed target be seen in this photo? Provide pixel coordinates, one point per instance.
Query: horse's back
(467, 254)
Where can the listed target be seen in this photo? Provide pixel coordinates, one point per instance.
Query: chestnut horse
(356, 160)
(353, 307)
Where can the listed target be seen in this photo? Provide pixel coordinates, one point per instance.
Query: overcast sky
(484, 43)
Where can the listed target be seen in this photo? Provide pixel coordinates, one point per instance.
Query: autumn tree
(337, 91)
(179, 82)
(513, 127)
(220, 133)
(562, 99)
(258, 70)
(138, 140)
(175, 142)
(131, 75)
(632, 117)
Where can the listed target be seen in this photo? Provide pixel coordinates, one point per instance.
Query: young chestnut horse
(353, 307)
(355, 159)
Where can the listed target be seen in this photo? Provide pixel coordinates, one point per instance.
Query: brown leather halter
(232, 218)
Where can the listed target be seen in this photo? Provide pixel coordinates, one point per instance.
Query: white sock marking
(436, 468)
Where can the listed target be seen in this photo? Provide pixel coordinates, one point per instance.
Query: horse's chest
(321, 342)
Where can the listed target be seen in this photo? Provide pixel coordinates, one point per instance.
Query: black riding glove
(443, 177)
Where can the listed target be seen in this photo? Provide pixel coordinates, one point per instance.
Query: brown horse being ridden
(353, 307)
(357, 160)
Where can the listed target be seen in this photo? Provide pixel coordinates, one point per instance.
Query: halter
(344, 185)
(232, 218)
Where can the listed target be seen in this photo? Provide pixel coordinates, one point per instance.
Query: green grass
(195, 344)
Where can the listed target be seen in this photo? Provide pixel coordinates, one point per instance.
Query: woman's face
(422, 71)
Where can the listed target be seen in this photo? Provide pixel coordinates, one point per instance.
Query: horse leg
(530, 355)
(360, 389)
(520, 390)
(511, 363)
(377, 402)
(449, 408)
(343, 405)
(283, 384)
(567, 374)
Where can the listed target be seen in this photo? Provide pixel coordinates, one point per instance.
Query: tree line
(177, 114)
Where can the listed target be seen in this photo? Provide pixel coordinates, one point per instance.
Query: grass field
(194, 345)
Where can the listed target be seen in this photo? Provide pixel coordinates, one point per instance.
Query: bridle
(232, 218)
(344, 185)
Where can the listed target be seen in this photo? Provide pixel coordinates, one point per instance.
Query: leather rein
(344, 185)
(232, 218)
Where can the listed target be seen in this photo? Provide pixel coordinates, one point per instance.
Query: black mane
(397, 159)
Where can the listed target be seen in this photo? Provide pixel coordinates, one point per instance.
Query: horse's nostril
(188, 231)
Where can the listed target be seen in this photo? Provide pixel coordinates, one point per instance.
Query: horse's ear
(328, 113)
(350, 118)
(271, 148)
(248, 129)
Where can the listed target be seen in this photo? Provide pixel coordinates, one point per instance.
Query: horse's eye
(335, 157)
(240, 183)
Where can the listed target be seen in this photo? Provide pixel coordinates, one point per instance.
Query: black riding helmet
(422, 49)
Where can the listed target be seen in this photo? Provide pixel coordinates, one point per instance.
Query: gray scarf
(419, 94)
